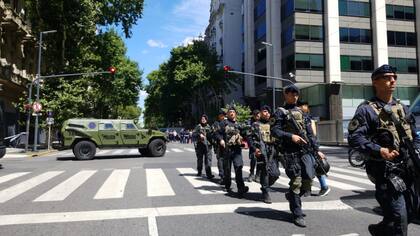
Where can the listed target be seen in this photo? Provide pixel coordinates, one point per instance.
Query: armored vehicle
(83, 136)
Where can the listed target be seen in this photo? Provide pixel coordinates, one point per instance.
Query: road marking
(133, 151)
(16, 190)
(167, 150)
(114, 186)
(58, 217)
(153, 229)
(9, 177)
(190, 149)
(104, 152)
(15, 155)
(298, 235)
(352, 178)
(118, 152)
(67, 153)
(352, 234)
(341, 185)
(158, 184)
(203, 186)
(176, 150)
(354, 172)
(64, 189)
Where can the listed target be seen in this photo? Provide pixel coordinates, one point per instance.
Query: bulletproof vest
(298, 116)
(265, 133)
(206, 130)
(386, 123)
(232, 135)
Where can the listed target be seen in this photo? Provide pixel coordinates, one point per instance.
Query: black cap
(221, 112)
(383, 70)
(291, 88)
(231, 108)
(255, 112)
(266, 108)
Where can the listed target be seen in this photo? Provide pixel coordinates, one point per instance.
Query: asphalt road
(122, 193)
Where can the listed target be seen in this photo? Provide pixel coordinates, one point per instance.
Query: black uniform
(298, 165)
(231, 132)
(217, 149)
(203, 148)
(252, 158)
(369, 130)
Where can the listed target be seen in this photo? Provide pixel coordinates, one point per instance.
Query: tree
(243, 113)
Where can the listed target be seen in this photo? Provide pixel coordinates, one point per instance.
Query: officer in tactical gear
(293, 128)
(203, 135)
(229, 137)
(253, 161)
(262, 145)
(378, 129)
(217, 149)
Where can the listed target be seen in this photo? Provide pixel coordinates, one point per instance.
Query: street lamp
(38, 76)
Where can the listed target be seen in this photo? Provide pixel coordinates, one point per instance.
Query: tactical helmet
(322, 166)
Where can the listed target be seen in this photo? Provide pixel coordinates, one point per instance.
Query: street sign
(37, 107)
(50, 121)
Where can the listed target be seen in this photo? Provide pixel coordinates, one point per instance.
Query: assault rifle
(309, 146)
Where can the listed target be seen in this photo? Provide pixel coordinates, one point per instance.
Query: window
(302, 32)
(309, 5)
(356, 63)
(400, 12)
(106, 126)
(309, 61)
(128, 126)
(287, 9)
(404, 65)
(396, 38)
(260, 31)
(309, 32)
(260, 9)
(354, 35)
(354, 8)
(287, 36)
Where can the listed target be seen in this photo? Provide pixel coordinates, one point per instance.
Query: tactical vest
(300, 120)
(265, 133)
(233, 137)
(385, 121)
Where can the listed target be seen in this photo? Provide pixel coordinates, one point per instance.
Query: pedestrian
(203, 135)
(262, 145)
(230, 138)
(252, 159)
(378, 129)
(217, 149)
(292, 127)
(322, 179)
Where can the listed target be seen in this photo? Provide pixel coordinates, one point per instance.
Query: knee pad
(295, 184)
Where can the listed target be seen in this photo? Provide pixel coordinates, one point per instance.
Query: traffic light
(112, 71)
(226, 69)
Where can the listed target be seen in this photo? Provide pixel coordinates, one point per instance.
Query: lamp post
(38, 76)
(273, 81)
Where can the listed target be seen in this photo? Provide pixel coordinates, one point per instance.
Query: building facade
(224, 36)
(17, 59)
(331, 47)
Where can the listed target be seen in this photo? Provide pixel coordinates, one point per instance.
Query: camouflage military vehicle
(85, 135)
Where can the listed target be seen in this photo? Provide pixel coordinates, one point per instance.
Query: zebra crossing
(120, 152)
(156, 182)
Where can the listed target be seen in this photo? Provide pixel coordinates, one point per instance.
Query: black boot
(299, 221)
(380, 229)
(242, 191)
(266, 197)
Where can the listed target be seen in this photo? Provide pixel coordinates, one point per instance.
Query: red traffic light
(112, 70)
(227, 68)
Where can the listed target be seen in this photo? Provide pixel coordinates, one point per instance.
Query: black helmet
(322, 167)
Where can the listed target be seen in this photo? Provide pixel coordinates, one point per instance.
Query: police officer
(299, 166)
(217, 149)
(261, 144)
(229, 137)
(373, 131)
(253, 161)
(203, 135)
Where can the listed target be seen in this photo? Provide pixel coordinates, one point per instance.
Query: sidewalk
(12, 153)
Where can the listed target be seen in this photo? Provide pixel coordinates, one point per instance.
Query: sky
(165, 24)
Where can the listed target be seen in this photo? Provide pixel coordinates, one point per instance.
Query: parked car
(83, 136)
(2, 133)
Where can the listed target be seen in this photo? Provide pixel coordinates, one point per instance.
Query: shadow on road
(265, 213)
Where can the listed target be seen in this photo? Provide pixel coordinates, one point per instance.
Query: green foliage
(128, 112)
(190, 76)
(243, 112)
(79, 47)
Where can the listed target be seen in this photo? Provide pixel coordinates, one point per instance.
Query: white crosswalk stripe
(158, 184)
(114, 186)
(176, 150)
(202, 185)
(133, 152)
(118, 152)
(353, 172)
(16, 190)
(190, 149)
(64, 189)
(9, 177)
(104, 152)
(352, 178)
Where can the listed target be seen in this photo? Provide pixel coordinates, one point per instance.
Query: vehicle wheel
(356, 159)
(144, 151)
(84, 150)
(157, 148)
(2, 152)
